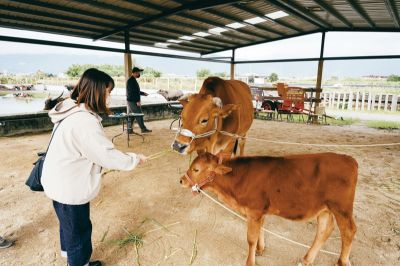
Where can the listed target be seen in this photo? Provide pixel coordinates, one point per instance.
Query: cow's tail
(235, 147)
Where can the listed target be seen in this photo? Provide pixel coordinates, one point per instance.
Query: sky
(28, 58)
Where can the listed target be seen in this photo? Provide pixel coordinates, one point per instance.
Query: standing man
(133, 98)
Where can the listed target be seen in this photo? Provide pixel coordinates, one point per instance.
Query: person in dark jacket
(133, 98)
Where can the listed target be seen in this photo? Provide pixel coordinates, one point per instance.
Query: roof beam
(331, 10)
(216, 24)
(164, 38)
(180, 33)
(361, 12)
(140, 15)
(333, 58)
(45, 23)
(72, 11)
(211, 38)
(106, 49)
(198, 5)
(299, 11)
(24, 11)
(391, 7)
(234, 19)
(259, 14)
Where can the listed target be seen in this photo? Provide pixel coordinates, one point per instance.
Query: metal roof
(199, 26)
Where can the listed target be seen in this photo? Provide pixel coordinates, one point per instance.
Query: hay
(194, 248)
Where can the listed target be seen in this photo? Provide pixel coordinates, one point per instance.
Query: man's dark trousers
(137, 109)
(75, 232)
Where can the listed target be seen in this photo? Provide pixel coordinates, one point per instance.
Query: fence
(163, 83)
(361, 101)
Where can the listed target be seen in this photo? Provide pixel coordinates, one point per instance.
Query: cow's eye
(195, 170)
(204, 121)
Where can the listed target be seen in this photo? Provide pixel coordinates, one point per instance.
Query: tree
(77, 70)
(203, 72)
(74, 71)
(393, 78)
(40, 74)
(221, 74)
(273, 77)
(151, 72)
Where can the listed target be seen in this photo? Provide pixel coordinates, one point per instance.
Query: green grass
(35, 95)
(131, 238)
(40, 95)
(343, 122)
(383, 124)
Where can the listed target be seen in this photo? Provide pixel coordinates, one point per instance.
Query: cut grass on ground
(383, 124)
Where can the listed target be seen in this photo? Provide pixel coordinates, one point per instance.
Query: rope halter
(196, 187)
(187, 133)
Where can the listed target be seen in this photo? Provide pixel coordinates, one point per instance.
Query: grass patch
(136, 236)
(383, 124)
(39, 95)
(131, 238)
(342, 121)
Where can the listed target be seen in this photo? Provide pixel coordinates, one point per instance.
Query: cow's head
(203, 170)
(202, 114)
(164, 93)
(51, 102)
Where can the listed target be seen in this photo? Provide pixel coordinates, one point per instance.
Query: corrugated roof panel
(94, 18)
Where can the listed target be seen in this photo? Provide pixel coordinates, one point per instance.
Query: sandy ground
(179, 228)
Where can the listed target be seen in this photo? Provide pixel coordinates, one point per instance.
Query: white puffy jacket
(79, 149)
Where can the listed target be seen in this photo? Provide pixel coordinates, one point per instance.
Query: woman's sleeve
(96, 147)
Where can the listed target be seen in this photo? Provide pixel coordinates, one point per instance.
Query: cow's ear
(217, 101)
(222, 169)
(184, 99)
(228, 109)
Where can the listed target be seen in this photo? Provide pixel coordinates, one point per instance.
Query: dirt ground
(179, 229)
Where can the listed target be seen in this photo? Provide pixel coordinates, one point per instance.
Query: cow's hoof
(259, 252)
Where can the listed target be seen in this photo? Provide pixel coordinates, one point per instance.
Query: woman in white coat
(79, 150)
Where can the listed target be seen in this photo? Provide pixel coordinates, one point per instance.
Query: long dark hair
(92, 90)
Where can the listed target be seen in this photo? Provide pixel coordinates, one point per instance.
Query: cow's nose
(179, 147)
(180, 181)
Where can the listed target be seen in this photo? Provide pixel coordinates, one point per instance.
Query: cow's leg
(347, 229)
(229, 147)
(260, 242)
(324, 230)
(242, 142)
(253, 232)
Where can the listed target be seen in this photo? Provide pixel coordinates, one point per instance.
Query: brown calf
(297, 187)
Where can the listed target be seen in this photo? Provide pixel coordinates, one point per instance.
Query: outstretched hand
(142, 158)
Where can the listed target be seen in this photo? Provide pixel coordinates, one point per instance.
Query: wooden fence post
(373, 102)
(393, 105)
(357, 99)
(379, 102)
(362, 101)
(350, 103)
(344, 100)
(386, 102)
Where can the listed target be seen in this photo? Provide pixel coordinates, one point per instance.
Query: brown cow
(221, 105)
(297, 187)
